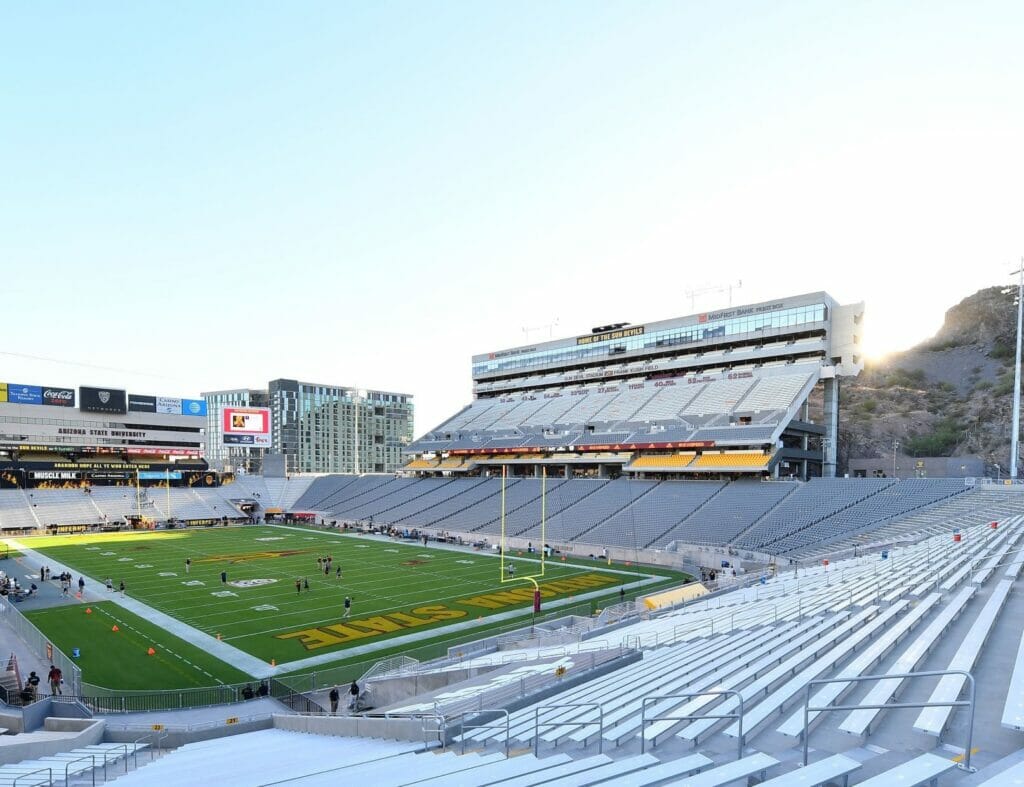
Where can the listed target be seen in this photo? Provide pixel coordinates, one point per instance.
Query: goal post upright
(532, 578)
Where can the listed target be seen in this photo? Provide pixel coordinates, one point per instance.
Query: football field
(276, 602)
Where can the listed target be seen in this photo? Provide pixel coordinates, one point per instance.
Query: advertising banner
(54, 475)
(247, 426)
(3, 392)
(193, 407)
(59, 397)
(168, 405)
(137, 403)
(102, 400)
(24, 394)
(159, 475)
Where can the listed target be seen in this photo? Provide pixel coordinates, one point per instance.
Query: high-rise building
(228, 456)
(318, 428)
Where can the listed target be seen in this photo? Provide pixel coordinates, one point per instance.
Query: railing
(616, 612)
(443, 652)
(47, 771)
(92, 770)
(100, 700)
(463, 726)
(537, 723)
(645, 720)
(41, 645)
(526, 686)
(894, 705)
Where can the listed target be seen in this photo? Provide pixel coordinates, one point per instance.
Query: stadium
(627, 560)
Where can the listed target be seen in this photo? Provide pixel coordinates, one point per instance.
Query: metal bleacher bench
(1013, 710)
(923, 770)
(830, 769)
(731, 771)
(1011, 777)
(933, 720)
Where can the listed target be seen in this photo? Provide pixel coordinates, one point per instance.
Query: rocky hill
(948, 396)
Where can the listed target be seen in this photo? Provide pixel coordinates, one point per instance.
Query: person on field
(224, 577)
(338, 575)
(353, 691)
(298, 586)
(55, 676)
(188, 564)
(334, 696)
(348, 607)
(122, 588)
(110, 585)
(305, 583)
(81, 585)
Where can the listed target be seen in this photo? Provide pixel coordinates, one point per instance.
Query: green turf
(120, 659)
(397, 588)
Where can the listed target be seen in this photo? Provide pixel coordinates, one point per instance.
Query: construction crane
(715, 288)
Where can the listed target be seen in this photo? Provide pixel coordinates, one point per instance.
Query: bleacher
(845, 620)
(747, 405)
(931, 603)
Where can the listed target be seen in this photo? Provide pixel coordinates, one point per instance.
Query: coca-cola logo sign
(59, 397)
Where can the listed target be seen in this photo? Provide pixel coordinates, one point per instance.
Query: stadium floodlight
(1015, 435)
(531, 578)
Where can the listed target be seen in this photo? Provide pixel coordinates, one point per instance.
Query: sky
(197, 196)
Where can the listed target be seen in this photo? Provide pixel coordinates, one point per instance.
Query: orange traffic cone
(115, 628)
(88, 610)
(150, 652)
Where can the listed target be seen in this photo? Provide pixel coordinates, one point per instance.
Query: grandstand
(656, 698)
(725, 393)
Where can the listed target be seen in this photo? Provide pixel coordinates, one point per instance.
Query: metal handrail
(69, 763)
(537, 723)
(644, 720)
(150, 738)
(113, 753)
(30, 773)
(894, 705)
(463, 726)
(439, 730)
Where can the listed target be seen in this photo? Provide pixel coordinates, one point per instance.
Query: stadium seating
(766, 640)
(648, 516)
(658, 461)
(728, 513)
(730, 459)
(748, 405)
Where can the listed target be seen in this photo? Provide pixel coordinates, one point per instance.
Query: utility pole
(895, 448)
(1015, 436)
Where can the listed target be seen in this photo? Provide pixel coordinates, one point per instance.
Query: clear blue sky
(209, 195)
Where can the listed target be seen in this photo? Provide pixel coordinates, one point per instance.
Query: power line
(29, 357)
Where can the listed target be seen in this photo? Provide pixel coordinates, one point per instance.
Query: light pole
(1016, 375)
(895, 448)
